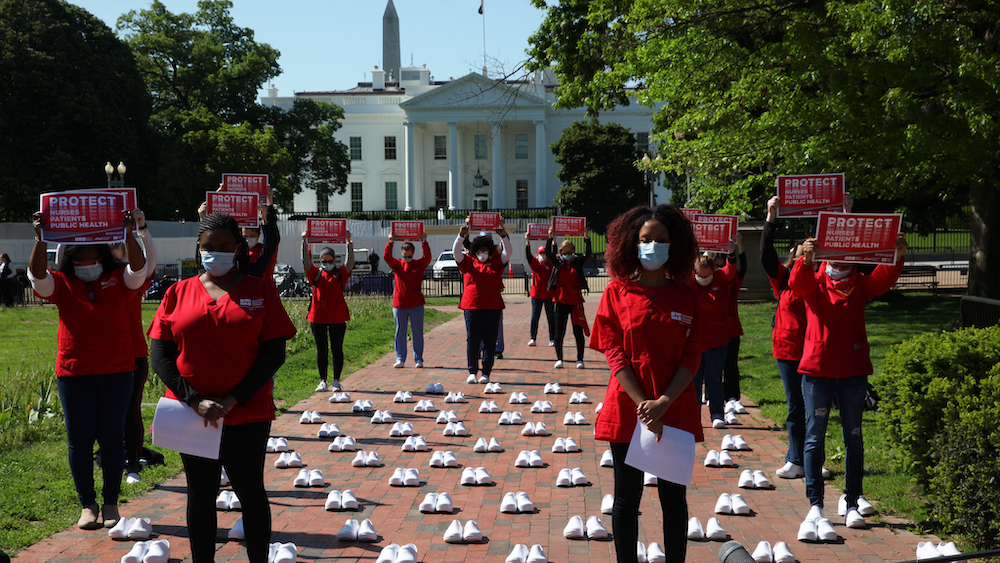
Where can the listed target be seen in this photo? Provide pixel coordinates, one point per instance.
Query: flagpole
(483, 13)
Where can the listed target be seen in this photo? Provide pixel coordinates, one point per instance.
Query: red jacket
(836, 344)
(655, 331)
(408, 290)
(482, 283)
(714, 301)
(789, 330)
(540, 274)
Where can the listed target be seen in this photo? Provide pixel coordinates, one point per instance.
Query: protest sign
(403, 231)
(537, 231)
(239, 206)
(569, 226)
(484, 221)
(82, 217)
(867, 238)
(691, 214)
(329, 231)
(713, 232)
(807, 195)
(246, 184)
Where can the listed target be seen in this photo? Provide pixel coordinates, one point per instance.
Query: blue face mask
(653, 255)
(327, 267)
(217, 263)
(89, 273)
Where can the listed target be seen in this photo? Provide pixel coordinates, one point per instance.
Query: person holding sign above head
(217, 341)
(647, 328)
(482, 300)
(263, 253)
(836, 363)
(408, 297)
(95, 361)
(328, 312)
(541, 295)
(568, 282)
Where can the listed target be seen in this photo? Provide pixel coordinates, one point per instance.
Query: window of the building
(322, 204)
(642, 143)
(391, 202)
(357, 197)
(440, 147)
(521, 145)
(390, 148)
(480, 147)
(355, 143)
(522, 194)
(440, 195)
(481, 202)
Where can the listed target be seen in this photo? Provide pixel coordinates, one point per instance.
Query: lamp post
(110, 170)
(651, 174)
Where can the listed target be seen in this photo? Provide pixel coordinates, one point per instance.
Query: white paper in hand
(178, 427)
(670, 459)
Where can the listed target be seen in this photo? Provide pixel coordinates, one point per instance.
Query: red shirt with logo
(328, 306)
(482, 283)
(408, 290)
(714, 300)
(541, 272)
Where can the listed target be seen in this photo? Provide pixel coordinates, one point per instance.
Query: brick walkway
(299, 517)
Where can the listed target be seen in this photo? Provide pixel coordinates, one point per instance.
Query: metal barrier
(979, 312)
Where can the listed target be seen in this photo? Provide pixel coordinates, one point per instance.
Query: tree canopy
(903, 97)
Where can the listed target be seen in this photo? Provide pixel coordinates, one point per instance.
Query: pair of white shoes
(578, 398)
(732, 504)
(443, 459)
(518, 399)
(444, 417)
(489, 407)
(559, 365)
(713, 530)
(455, 429)
(399, 364)
(594, 529)
(276, 445)
(717, 459)
(279, 552)
(227, 500)
(353, 531)
(516, 503)
(529, 458)
(553, 388)
(731, 419)
(865, 508)
(131, 529)
(341, 500)
(476, 476)
(400, 429)
(366, 459)
(472, 379)
(310, 417)
(436, 388)
(381, 417)
(426, 405)
(414, 444)
(534, 429)
(328, 431)
(653, 554)
(734, 443)
(343, 444)
(521, 554)
(780, 553)
(565, 446)
(573, 419)
(510, 418)
(339, 398)
(735, 406)
(926, 550)
(405, 477)
(541, 407)
(288, 459)
(816, 528)
(307, 478)
(362, 406)
(793, 471)
(607, 459)
(492, 389)
(393, 553)
(402, 397)
(456, 398)
(482, 446)
(437, 502)
(156, 551)
(754, 480)
(456, 533)
(571, 478)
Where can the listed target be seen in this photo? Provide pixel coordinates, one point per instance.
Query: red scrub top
(328, 306)
(568, 290)
(482, 283)
(219, 341)
(654, 330)
(408, 290)
(714, 300)
(541, 272)
(93, 336)
(789, 330)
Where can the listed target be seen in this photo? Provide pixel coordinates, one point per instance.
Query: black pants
(242, 454)
(536, 311)
(134, 430)
(731, 371)
(481, 327)
(625, 514)
(563, 313)
(335, 333)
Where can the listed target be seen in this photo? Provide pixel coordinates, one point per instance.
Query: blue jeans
(500, 347)
(817, 395)
(710, 375)
(415, 317)
(94, 407)
(795, 422)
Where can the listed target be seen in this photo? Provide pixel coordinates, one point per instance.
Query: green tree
(319, 162)
(598, 172)
(71, 99)
(902, 97)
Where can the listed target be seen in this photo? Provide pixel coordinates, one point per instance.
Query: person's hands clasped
(651, 412)
(211, 410)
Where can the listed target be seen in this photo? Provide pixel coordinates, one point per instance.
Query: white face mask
(252, 241)
(541, 259)
(653, 255)
(704, 281)
(838, 273)
(483, 256)
(89, 272)
(217, 263)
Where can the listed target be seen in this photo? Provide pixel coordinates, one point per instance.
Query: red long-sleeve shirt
(714, 301)
(408, 292)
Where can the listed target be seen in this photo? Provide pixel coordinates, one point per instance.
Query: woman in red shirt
(541, 295)
(408, 297)
(328, 313)
(568, 282)
(712, 287)
(94, 368)
(647, 326)
(218, 339)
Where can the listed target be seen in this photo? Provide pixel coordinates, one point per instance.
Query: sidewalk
(298, 515)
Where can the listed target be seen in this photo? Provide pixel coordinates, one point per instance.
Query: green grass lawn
(37, 497)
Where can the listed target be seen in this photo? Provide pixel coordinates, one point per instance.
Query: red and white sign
(537, 231)
(82, 217)
(807, 195)
(329, 231)
(404, 231)
(569, 226)
(867, 238)
(246, 184)
(239, 206)
(713, 232)
(484, 221)
(691, 214)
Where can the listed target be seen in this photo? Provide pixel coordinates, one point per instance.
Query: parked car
(445, 267)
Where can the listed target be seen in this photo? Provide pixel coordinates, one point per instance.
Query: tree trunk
(984, 253)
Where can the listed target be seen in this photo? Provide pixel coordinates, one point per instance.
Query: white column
(453, 180)
(409, 184)
(498, 168)
(460, 182)
(541, 157)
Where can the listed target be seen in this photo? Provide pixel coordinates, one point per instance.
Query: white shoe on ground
(782, 554)
(791, 471)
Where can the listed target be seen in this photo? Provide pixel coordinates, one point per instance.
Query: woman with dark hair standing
(328, 312)
(711, 285)
(647, 328)
(568, 281)
(8, 280)
(218, 340)
(482, 299)
(541, 295)
(94, 369)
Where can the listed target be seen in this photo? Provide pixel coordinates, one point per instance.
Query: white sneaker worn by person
(322, 386)
(531, 343)
(558, 364)
(791, 471)
(718, 423)
(854, 519)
